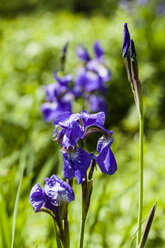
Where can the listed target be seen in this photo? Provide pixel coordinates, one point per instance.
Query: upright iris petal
(98, 49)
(75, 163)
(70, 133)
(126, 39)
(92, 119)
(82, 53)
(58, 191)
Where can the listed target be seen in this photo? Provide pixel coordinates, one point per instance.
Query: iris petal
(92, 119)
(126, 39)
(98, 49)
(106, 161)
(58, 191)
(82, 53)
(103, 142)
(37, 197)
(76, 163)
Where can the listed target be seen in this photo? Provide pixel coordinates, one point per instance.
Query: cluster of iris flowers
(71, 131)
(89, 84)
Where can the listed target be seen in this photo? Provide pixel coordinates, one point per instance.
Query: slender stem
(140, 177)
(66, 231)
(84, 187)
(82, 232)
(57, 236)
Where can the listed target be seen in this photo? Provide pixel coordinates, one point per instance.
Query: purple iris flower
(126, 39)
(55, 193)
(76, 160)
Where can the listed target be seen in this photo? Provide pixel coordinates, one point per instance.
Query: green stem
(140, 178)
(82, 232)
(57, 236)
(66, 231)
(84, 187)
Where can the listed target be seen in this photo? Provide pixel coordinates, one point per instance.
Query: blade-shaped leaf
(4, 224)
(147, 226)
(15, 210)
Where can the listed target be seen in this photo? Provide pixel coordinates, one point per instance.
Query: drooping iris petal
(75, 163)
(98, 49)
(103, 142)
(48, 110)
(106, 159)
(58, 191)
(92, 119)
(37, 197)
(82, 53)
(126, 39)
(58, 110)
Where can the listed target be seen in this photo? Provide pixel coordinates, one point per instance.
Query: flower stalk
(87, 188)
(140, 210)
(131, 65)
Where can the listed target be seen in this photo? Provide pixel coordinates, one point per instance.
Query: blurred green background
(32, 33)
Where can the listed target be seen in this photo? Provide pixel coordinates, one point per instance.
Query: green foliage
(30, 47)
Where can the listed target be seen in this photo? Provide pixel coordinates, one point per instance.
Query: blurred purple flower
(58, 96)
(91, 78)
(97, 103)
(98, 50)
